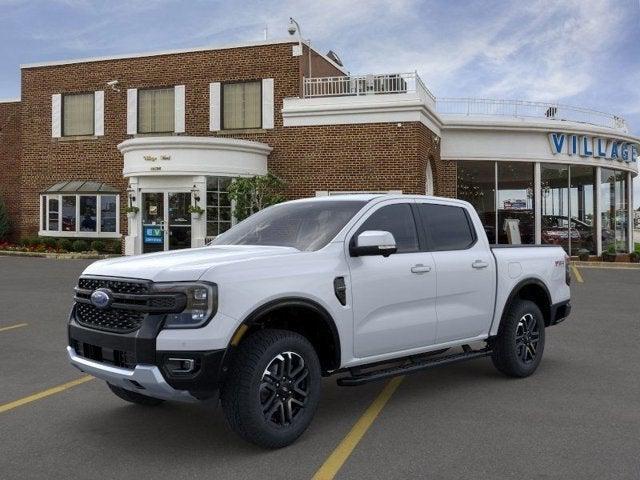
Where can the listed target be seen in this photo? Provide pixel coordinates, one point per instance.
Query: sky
(578, 52)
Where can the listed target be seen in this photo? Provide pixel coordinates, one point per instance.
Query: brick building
(162, 131)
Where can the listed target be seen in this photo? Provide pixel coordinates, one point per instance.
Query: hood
(181, 265)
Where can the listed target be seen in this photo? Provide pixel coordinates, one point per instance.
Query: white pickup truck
(363, 286)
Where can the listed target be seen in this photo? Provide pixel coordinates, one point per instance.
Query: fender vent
(340, 290)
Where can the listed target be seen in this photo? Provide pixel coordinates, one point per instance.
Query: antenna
(266, 32)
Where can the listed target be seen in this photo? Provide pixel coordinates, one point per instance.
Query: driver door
(394, 298)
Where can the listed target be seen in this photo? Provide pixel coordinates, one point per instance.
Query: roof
(178, 51)
(81, 186)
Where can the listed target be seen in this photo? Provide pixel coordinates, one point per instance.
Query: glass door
(179, 220)
(153, 222)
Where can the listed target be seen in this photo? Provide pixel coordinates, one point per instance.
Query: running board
(411, 367)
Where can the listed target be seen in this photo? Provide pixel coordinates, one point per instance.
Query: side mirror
(373, 242)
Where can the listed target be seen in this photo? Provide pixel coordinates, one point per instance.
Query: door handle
(479, 264)
(420, 268)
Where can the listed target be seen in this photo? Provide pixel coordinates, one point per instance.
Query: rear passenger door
(465, 271)
(394, 297)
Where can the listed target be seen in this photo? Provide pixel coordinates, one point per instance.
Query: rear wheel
(518, 348)
(273, 388)
(134, 397)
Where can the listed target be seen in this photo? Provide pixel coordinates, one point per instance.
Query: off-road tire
(517, 352)
(249, 390)
(134, 397)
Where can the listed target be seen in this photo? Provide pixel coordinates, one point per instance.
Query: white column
(537, 202)
(598, 212)
(199, 225)
(133, 241)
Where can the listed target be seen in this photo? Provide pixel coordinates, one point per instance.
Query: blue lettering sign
(614, 150)
(601, 149)
(634, 152)
(624, 152)
(586, 147)
(573, 146)
(557, 142)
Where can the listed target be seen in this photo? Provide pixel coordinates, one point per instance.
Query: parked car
(365, 287)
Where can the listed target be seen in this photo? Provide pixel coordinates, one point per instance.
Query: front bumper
(132, 361)
(144, 379)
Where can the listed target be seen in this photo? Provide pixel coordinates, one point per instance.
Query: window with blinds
(242, 105)
(78, 114)
(156, 110)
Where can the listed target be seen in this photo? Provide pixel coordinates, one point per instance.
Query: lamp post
(293, 28)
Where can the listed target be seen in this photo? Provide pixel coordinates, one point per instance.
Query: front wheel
(518, 348)
(273, 388)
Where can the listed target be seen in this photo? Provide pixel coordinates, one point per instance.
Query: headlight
(202, 303)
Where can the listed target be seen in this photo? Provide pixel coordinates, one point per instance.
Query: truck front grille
(132, 300)
(114, 320)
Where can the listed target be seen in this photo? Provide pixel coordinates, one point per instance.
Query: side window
(397, 219)
(446, 227)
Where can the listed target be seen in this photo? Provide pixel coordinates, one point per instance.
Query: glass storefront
(516, 218)
(218, 206)
(477, 185)
(504, 195)
(614, 211)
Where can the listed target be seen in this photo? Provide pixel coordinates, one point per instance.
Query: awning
(81, 186)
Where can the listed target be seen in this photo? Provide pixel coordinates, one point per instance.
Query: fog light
(180, 365)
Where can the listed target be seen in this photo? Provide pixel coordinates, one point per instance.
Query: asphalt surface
(578, 417)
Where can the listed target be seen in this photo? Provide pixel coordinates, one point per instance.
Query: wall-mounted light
(132, 195)
(195, 193)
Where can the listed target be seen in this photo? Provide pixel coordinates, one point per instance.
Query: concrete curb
(58, 256)
(607, 265)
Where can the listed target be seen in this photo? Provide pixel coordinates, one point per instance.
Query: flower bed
(56, 246)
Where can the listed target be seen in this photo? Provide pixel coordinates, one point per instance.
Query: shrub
(98, 246)
(48, 242)
(28, 241)
(65, 244)
(80, 246)
(114, 246)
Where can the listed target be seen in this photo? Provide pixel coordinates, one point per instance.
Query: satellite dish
(334, 56)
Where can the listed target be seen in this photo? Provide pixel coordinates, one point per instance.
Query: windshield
(306, 226)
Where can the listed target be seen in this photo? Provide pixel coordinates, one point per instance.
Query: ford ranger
(365, 287)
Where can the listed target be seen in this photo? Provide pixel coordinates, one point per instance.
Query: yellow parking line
(332, 465)
(577, 274)
(3, 329)
(45, 393)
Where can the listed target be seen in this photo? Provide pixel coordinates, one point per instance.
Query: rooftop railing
(357, 85)
(526, 109)
(398, 83)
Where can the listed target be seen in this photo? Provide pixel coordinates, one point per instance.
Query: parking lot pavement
(577, 417)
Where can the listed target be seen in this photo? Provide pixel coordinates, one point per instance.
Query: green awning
(81, 186)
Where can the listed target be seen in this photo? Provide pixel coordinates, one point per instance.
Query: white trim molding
(132, 111)
(179, 100)
(390, 108)
(98, 112)
(184, 155)
(268, 107)
(56, 115)
(214, 107)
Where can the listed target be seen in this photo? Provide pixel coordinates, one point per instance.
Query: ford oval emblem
(102, 298)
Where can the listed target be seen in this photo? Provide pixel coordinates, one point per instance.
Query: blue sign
(153, 234)
(597, 147)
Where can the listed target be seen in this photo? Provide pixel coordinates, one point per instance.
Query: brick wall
(444, 171)
(9, 159)
(339, 157)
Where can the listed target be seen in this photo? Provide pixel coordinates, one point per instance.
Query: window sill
(77, 138)
(241, 131)
(47, 233)
(159, 134)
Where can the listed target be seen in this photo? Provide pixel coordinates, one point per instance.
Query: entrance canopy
(81, 186)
